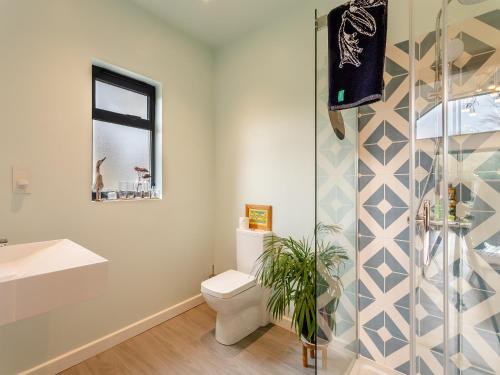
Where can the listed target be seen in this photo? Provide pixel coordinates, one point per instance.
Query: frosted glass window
(115, 99)
(124, 133)
(125, 148)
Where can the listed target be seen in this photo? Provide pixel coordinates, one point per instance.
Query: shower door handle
(426, 215)
(426, 226)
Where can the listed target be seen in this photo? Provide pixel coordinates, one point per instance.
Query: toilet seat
(228, 284)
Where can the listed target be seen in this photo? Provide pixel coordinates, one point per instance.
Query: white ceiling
(216, 22)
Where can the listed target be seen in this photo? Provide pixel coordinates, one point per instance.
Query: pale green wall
(264, 121)
(159, 252)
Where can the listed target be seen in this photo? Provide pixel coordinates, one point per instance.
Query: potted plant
(289, 268)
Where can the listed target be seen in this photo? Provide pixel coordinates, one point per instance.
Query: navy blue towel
(357, 35)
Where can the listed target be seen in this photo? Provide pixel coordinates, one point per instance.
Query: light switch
(21, 180)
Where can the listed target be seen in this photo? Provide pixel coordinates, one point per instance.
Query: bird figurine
(99, 183)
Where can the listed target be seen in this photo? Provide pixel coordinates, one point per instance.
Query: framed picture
(260, 217)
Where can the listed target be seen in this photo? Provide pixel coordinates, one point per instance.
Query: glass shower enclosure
(456, 139)
(415, 187)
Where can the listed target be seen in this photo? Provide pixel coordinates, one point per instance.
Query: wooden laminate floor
(186, 345)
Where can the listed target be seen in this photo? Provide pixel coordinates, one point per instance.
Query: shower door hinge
(321, 22)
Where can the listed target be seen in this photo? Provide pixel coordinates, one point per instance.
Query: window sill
(127, 200)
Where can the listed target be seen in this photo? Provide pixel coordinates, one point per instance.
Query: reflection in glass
(468, 115)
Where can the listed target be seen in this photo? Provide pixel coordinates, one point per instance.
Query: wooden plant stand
(322, 347)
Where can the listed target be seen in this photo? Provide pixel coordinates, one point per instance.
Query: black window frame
(131, 84)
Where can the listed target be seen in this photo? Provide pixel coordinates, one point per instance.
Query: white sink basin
(42, 276)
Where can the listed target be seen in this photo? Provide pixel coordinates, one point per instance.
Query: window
(123, 114)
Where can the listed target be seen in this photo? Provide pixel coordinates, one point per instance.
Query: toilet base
(232, 328)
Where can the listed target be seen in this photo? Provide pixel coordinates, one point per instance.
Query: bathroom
(154, 151)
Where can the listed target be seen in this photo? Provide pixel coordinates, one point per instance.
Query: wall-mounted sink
(42, 276)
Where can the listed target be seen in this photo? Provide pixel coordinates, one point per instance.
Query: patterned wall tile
(383, 194)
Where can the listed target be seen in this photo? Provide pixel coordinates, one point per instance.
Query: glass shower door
(456, 166)
(336, 204)
(473, 177)
(429, 281)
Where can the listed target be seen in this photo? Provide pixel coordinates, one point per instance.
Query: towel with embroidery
(357, 36)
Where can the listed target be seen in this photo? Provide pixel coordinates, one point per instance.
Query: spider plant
(289, 268)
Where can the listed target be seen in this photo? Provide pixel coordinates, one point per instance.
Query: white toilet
(239, 302)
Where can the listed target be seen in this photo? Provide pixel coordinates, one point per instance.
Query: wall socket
(21, 180)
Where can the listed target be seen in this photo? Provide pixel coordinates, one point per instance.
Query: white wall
(159, 251)
(264, 89)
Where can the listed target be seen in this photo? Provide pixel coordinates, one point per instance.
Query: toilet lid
(228, 284)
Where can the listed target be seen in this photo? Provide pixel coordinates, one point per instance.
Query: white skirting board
(285, 323)
(91, 349)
